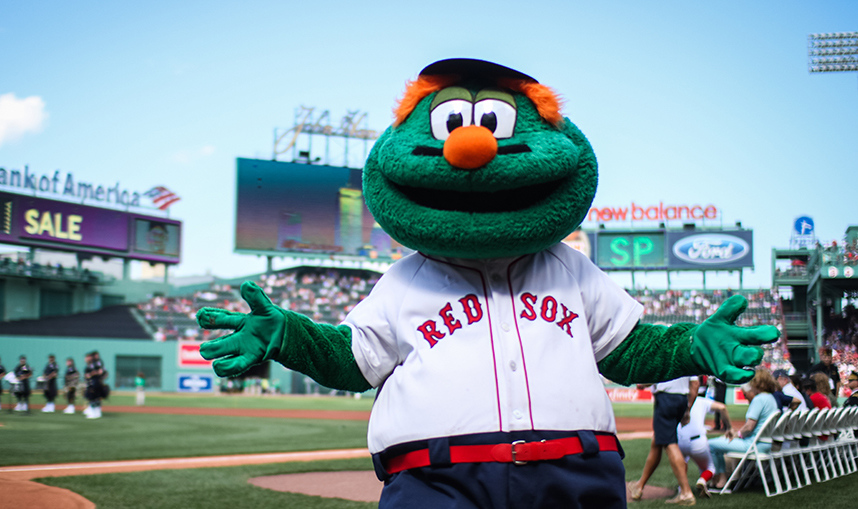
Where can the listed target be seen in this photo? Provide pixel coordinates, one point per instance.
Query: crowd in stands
(845, 253)
(23, 267)
(326, 296)
(840, 333)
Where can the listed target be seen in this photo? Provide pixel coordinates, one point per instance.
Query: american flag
(162, 197)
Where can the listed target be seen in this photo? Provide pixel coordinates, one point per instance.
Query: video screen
(303, 208)
(154, 237)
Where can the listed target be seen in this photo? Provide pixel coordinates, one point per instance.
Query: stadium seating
(326, 296)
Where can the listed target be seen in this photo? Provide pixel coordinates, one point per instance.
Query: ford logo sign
(713, 248)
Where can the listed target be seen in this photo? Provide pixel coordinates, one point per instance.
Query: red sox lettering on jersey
(482, 346)
(473, 313)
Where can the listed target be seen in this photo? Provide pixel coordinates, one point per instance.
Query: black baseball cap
(473, 68)
(779, 373)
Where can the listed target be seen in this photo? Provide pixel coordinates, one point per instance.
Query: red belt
(519, 452)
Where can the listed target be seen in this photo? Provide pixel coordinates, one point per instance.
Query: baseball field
(202, 451)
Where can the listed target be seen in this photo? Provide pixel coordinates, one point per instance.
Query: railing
(37, 271)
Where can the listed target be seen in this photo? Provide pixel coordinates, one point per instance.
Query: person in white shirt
(693, 443)
(788, 388)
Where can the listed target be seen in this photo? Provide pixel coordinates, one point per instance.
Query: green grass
(208, 488)
(835, 494)
(240, 401)
(214, 488)
(55, 438)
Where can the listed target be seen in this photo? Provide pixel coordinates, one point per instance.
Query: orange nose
(470, 147)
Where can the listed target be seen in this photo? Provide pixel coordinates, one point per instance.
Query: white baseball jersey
(697, 423)
(477, 346)
(698, 448)
(675, 386)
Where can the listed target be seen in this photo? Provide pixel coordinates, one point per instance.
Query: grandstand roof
(110, 322)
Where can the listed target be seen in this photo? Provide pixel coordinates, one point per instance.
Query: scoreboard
(631, 250)
(664, 249)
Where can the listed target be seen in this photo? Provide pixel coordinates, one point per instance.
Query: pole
(704, 280)
(126, 269)
(269, 265)
(741, 279)
(819, 305)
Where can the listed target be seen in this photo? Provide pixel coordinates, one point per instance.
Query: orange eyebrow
(416, 90)
(547, 102)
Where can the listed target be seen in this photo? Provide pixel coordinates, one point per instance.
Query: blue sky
(683, 102)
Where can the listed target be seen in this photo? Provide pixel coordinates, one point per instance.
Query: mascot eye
(450, 115)
(496, 116)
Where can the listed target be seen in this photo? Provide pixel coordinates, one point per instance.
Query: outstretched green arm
(655, 353)
(651, 353)
(322, 352)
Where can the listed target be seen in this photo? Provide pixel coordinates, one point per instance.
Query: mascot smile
(487, 344)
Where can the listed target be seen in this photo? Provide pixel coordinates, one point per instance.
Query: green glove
(321, 351)
(721, 348)
(258, 336)
(655, 353)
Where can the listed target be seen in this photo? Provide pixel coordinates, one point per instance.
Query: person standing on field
(50, 373)
(140, 383)
(673, 401)
(71, 380)
(22, 392)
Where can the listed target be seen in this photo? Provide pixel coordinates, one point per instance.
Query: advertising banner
(189, 355)
(70, 223)
(710, 250)
(53, 224)
(305, 208)
(629, 395)
(195, 383)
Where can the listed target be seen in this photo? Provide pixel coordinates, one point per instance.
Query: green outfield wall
(122, 359)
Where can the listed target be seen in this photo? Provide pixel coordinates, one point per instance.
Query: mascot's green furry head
(479, 164)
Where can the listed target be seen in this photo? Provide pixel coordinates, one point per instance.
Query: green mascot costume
(487, 343)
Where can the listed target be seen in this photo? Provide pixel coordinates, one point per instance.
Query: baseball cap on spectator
(779, 373)
(853, 376)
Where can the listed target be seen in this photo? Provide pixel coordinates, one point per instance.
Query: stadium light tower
(832, 52)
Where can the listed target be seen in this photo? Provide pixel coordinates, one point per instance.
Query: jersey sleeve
(373, 322)
(611, 312)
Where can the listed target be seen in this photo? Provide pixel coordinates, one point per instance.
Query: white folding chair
(829, 430)
(844, 440)
(807, 450)
(817, 445)
(792, 439)
(745, 473)
(780, 446)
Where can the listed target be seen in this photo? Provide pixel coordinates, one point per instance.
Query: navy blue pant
(594, 479)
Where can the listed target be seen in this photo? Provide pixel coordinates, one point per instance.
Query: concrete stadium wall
(22, 297)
